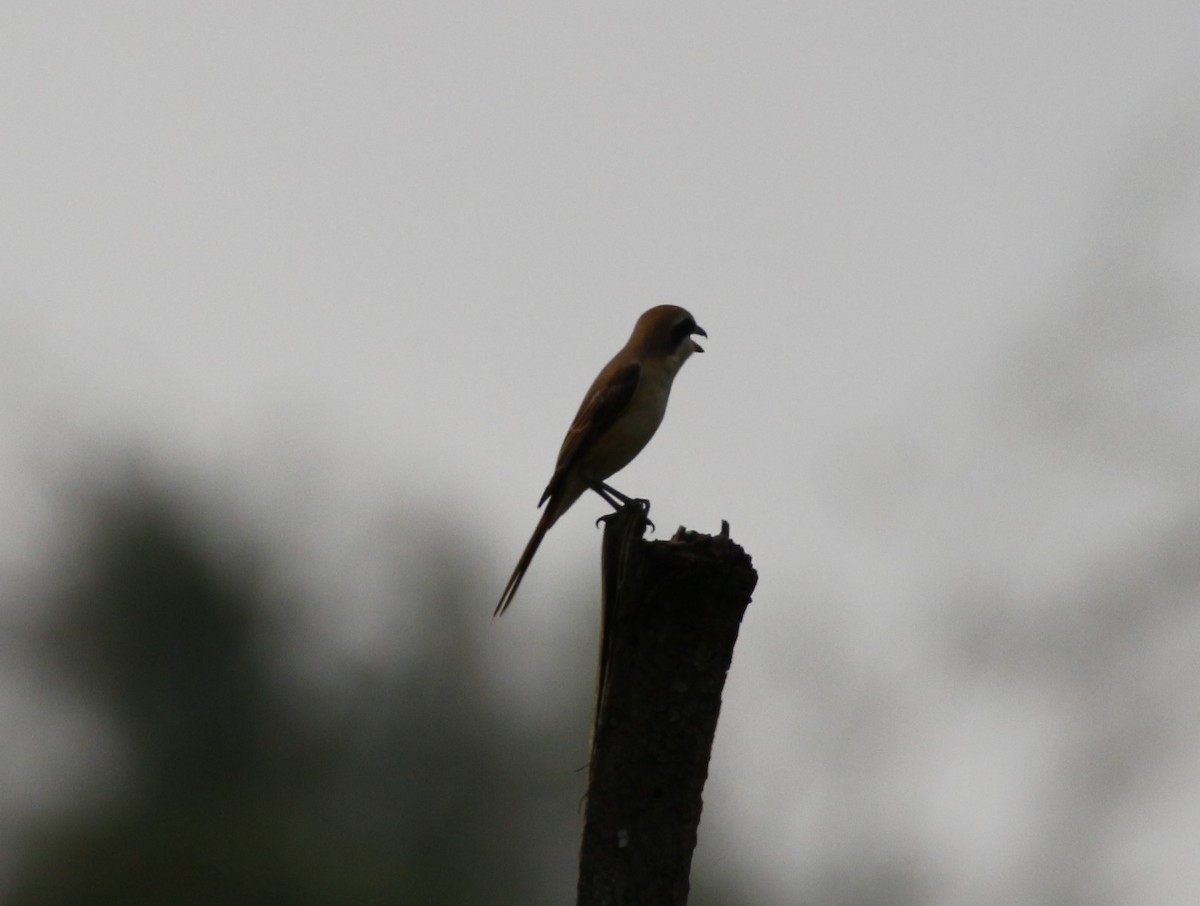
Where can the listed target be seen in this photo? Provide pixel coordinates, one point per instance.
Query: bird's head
(667, 331)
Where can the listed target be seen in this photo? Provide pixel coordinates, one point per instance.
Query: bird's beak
(699, 330)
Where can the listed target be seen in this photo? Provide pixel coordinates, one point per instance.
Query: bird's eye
(682, 330)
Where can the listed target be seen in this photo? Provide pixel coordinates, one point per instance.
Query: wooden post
(671, 613)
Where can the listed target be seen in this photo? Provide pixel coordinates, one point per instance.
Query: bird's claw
(641, 503)
(644, 505)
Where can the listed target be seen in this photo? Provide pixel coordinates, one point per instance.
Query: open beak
(699, 330)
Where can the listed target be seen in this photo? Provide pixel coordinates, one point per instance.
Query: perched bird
(617, 418)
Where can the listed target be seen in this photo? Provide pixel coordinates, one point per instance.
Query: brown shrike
(622, 410)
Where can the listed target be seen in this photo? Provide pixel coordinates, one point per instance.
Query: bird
(619, 414)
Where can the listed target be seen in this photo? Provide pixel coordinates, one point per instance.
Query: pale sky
(379, 250)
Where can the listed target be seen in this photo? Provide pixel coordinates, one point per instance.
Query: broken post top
(694, 558)
(693, 588)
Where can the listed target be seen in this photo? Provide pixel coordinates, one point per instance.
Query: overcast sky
(381, 249)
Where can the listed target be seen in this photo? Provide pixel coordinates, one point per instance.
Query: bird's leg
(640, 502)
(612, 496)
(616, 500)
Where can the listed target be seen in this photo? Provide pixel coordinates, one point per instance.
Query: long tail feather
(549, 516)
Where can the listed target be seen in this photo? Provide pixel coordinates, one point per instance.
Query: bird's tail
(553, 510)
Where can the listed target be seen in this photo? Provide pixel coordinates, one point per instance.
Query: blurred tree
(410, 786)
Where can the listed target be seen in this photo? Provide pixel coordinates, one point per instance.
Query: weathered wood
(671, 614)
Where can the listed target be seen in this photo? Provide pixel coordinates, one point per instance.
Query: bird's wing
(603, 405)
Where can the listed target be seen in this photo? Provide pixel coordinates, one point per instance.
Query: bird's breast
(631, 431)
